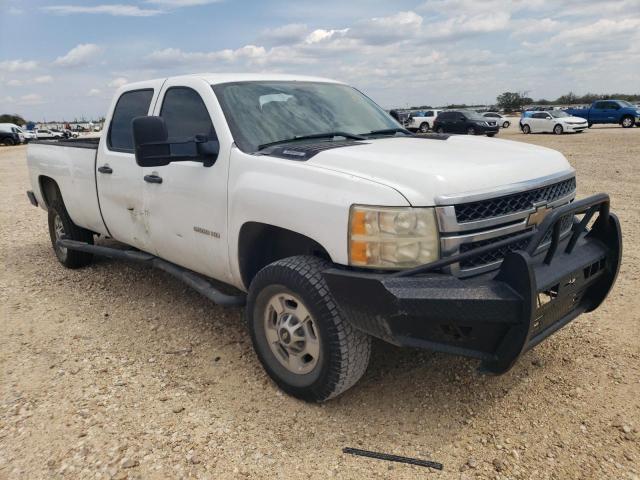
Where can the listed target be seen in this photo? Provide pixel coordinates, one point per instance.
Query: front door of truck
(186, 201)
(118, 177)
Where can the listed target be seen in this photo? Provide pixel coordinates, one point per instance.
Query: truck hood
(423, 169)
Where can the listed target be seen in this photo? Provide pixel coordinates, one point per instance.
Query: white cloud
(117, 82)
(175, 56)
(286, 34)
(94, 92)
(182, 3)
(117, 10)
(79, 55)
(43, 79)
(14, 83)
(17, 65)
(321, 35)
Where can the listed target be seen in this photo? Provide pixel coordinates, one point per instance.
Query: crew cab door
(118, 177)
(603, 112)
(186, 201)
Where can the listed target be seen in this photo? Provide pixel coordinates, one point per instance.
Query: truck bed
(71, 163)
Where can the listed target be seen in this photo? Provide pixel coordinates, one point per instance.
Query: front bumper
(494, 317)
(575, 127)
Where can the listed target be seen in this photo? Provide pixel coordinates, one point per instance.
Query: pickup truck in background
(422, 121)
(608, 111)
(304, 200)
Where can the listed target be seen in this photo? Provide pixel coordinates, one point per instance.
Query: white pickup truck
(305, 200)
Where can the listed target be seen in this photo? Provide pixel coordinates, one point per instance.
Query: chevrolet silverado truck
(608, 111)
(303, 200)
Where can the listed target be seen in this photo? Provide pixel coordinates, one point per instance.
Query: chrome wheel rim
(291, 333)
(626, 122)
(58, 229)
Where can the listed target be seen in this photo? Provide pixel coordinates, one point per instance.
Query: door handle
(105, 169)
(152, 179)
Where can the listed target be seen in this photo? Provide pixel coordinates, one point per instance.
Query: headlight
(392, 238)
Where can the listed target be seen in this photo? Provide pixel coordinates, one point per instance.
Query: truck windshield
(263, 113)
(624, 103)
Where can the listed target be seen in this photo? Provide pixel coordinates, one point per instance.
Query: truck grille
(495, 207)
(498, 254)
(465, 226)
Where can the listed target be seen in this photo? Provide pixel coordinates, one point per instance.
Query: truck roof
(217, 78)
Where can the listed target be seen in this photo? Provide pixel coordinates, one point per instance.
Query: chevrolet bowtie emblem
(539, 215)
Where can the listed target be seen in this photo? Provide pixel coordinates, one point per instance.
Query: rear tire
(8, 142)
(471, 131)
(60, 225)
(424, 127)
(440, 130)
(526, 129)
(491, 134)
(506, 124)
(558, 130)
(300, 335)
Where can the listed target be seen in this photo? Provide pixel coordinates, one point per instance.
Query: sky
(64, 59)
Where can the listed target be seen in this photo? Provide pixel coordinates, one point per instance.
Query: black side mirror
(154, 149)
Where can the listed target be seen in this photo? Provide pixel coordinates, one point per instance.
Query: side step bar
(192, 279)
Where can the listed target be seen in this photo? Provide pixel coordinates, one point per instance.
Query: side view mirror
(154, 149)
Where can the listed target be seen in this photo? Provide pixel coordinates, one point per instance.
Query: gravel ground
(114, 371)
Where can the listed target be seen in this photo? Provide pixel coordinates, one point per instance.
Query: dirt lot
(114, 371)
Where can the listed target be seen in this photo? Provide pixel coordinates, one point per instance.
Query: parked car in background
(45, 133)
(28, 134)
(17, 137)
(502, 121)
(422, 121)
(553, 121)
(609, 111)
(67, 133)
(465, 121)
(9, 136)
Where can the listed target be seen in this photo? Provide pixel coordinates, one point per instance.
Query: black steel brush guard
(494, 317)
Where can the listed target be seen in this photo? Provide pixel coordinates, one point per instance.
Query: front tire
(471, 131)
(526, 129)
(60, 225)
(558, 130)
(424, 127)
(8, 142)
(440, 130)
(300, 335)
(627, 122)
(506, 124)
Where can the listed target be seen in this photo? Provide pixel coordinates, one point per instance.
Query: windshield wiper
(352, 136)
(386, 131)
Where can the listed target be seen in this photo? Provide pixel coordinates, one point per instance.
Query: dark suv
(465, 121)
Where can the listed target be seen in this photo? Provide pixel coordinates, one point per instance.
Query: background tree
(12, 118)
(510, 101)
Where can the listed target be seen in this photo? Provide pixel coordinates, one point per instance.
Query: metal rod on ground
(393, 458)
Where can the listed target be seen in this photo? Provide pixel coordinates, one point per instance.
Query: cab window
(130, 105)
(185, 116)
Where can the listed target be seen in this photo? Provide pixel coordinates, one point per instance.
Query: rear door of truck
(118, 177)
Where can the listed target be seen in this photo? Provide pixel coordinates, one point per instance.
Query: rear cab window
(134, 103)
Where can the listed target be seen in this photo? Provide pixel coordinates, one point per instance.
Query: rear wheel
(526, 129)
(490, 134)
(471, 131)
(506, 124)
(627, 122)
(8, 142)
(299, 334)
(558, 129)
(440, 130)
(424, 127)
(60, 225)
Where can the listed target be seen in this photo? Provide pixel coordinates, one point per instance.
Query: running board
(192, 279)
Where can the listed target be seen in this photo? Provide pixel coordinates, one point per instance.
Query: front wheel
(8, 142)
(627, 122)
(471, 131)
(299, 334)
(424, 127)
(558, 129)
(440, 130)
(506, 124)
(526, 129)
